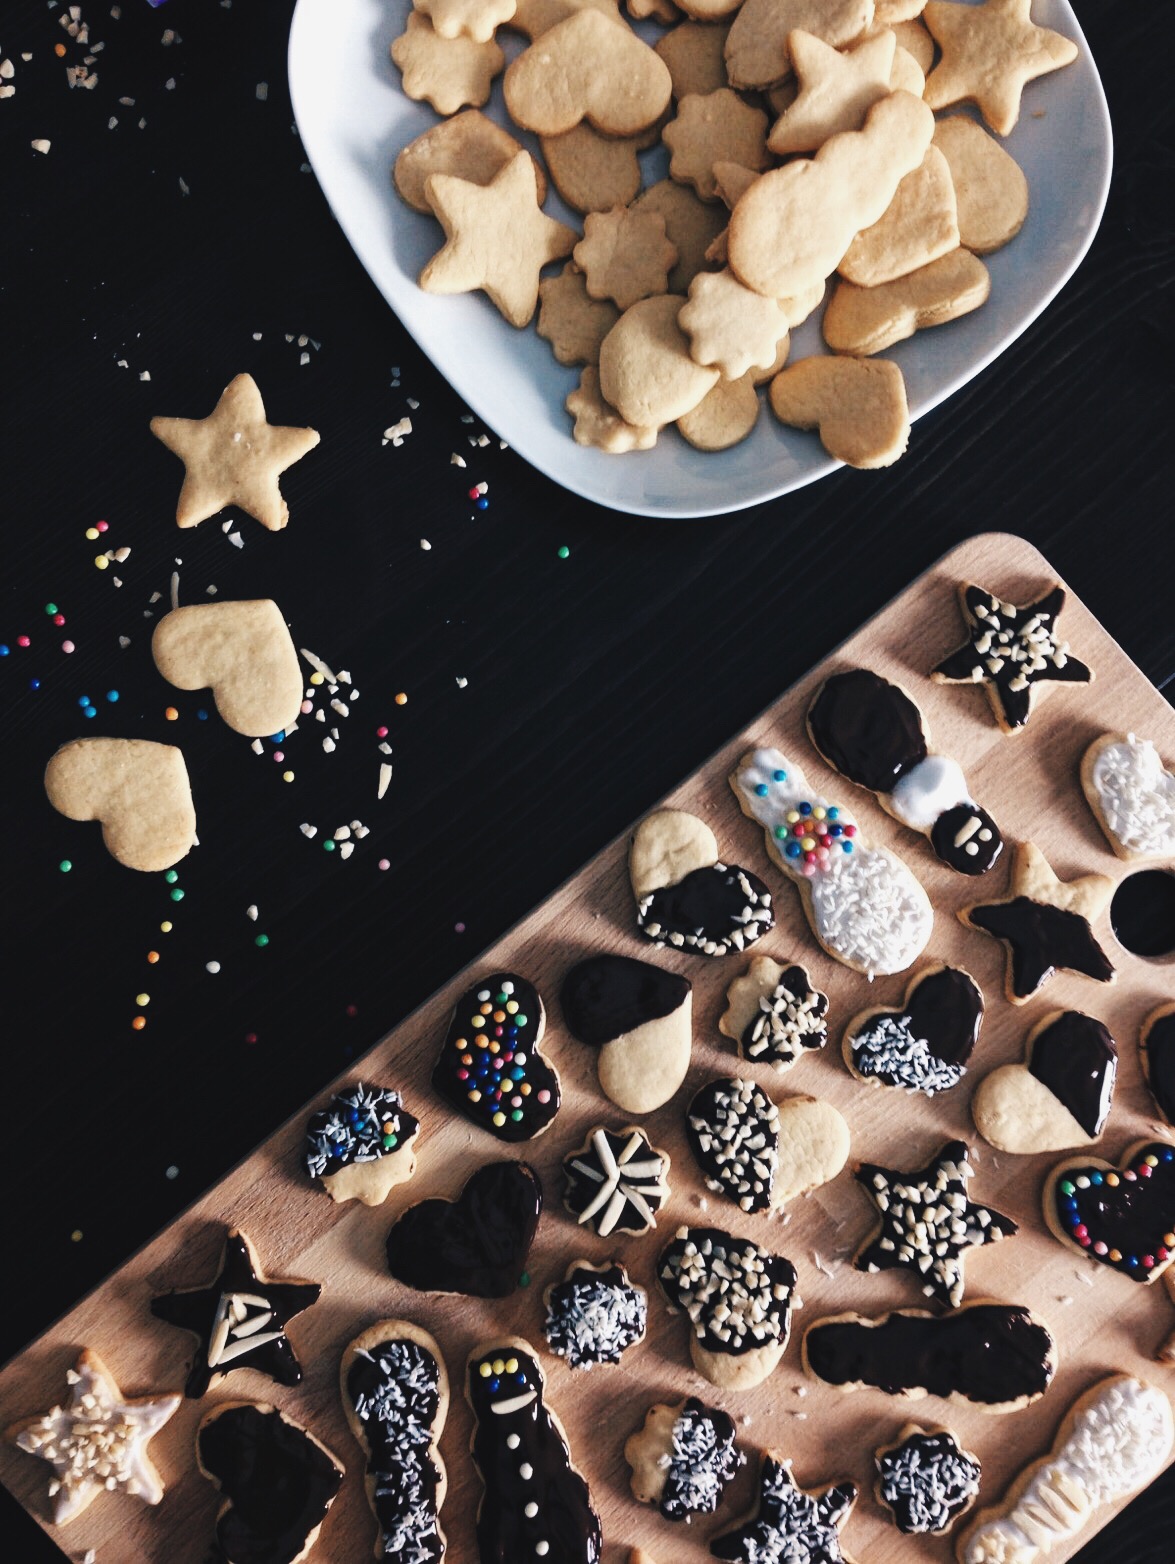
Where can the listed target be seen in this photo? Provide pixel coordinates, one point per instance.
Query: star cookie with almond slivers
(928, 1223)
(1012, 652)
(498, 238)
(96, 1440)
(989, 53)
(1045, 924)
(234, 457)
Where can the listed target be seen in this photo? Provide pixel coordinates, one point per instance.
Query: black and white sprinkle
(702, 1461)
(594, 1316)
(733, 1129)
(927, 1480)
(395, 1392)
(888, 1050)
(791, 1019)
(738, 1296)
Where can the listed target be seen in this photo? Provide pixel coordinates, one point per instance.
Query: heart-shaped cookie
(638, 1016)
(1060, 1096)
(1123, 1216)
(685, 897)
(587, 67)
(761, 1155)
(476, 1244)
(922, 1045)
(857, 405)
(1132, 795)
(243, 652)
(489, 1066)
(1156, 1045)
(138, 790)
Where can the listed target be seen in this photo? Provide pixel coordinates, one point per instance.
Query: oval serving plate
(353, 119)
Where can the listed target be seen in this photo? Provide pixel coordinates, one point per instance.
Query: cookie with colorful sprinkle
(362, 1145)
(489, 1066)
(1121, 1216)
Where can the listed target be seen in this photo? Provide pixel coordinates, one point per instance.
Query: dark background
(594, 682)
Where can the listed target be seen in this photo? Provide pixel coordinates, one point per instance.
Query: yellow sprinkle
(317, 678)
(101, 561)
(499, 1118)
(792, 816)
(485, 1371)
(93, 534)
(165, 926)
(1152, 1161)
(142, 999)
(807, 843)
(287, 776)
(76, 1235)
(512, 1365)
(499, 1366)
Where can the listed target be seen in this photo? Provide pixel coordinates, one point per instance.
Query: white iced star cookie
(96, 1441)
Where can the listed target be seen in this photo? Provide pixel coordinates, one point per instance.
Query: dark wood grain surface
(550, 699)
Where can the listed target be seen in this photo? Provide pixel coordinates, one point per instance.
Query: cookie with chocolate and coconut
(683, 1458)
(925, 1479)
(362, 1145)
(594, 1314)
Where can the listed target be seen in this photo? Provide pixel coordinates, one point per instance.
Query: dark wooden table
(551, 699)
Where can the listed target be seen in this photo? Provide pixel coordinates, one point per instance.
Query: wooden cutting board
(1102, 1323)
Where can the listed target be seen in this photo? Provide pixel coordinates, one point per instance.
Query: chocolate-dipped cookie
(476, 1244)
(639, 1018)
(760, 1154)
(683, 1458)
(870, 730)
(1060, 1096)
(490, 1068)
(925, 1479)
(362, 1145)
(774, 1014)
(789, 1522)
(1123, 1216)
(1157, 1047)
(686, 897)
(594, 1314)
(924, 1044)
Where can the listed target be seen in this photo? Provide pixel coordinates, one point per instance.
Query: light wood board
(1101, 1321)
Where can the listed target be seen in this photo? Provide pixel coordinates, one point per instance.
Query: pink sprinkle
(544, 1095)
(307, 708)
(459, 928)
(68, 646)
(381, 733)
(58, 619)
(250, 1037)
(385, 863)
(23, 640)
(352, 1010)
(103, 526)
(279, 754)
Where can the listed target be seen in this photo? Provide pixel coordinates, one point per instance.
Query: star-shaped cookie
(96, 1440)
(498, 238)
(1045, 924)
(233, 457)
(927, 1222)
(989, 53)
(1011, 652)
(836, 90)
(790, 1523)
(239, 1319)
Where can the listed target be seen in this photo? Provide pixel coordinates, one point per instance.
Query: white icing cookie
(1132, 795)
(863, 903)
(1116, 1438)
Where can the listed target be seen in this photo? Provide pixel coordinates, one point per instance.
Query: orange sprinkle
(139, 1023)
(59, 50)
(152, 956)
(171, 714)
(401, 699)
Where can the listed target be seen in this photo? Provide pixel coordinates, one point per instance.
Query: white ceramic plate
(354, 119)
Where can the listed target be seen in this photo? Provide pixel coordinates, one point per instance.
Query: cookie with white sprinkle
(923, 1044)
(594, 1314)
(362, 1145)
(739, 1299)
(774, 1014)
(396, 1397)
(686, 897)
(925, 1479)
(683, 1458)
(617, 1181)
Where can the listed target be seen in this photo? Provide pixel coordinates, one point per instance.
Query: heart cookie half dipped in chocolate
(1060, 1097)
(774, 1014)
(1122, 1217)
(1157, 1047)
(685, 896)
(760, 1154)
(277, 1479)
(924, 1044)
(639, 1017)
(489, 1067)
(862, 902)
(476, 1244)
(739, 1299)
(870, 730)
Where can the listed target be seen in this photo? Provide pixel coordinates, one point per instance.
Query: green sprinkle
(564, 552)
(171, 876)
(519, 1020)
(517, 1115)
(524, 1279)
(262, 940)
(177, 894)
(328, 846)
(1066, 1187)
(50, 608)
(65, 865)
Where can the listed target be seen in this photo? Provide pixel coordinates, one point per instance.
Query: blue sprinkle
(276, 738)
(834, 813)
(805, 809)
(778, 776)
(834, 830)
(792, 850)
(112, 696)
(1095, 1178)
(762, 790)
(202, 715)
(4, 650)
(483, 503)
(90, 711)
(848, 846)
(84, 700)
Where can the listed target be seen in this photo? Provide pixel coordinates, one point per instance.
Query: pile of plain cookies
(867, 909)
(806, 164)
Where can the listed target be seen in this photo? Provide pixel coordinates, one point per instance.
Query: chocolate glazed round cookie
(872, 733)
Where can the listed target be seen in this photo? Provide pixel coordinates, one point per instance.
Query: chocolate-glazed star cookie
(1045, 924)
(790, 1523)
(1012, 652)
(927, 1222)
(239, 1319)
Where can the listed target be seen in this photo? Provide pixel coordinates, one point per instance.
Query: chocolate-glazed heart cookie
(638, 1016)
(489, 1067)
(535, 1505)
(872, 733)
(924, 1045)
(278, 1482)
(1060, 1097)
(1157, 1046)
(1122, 1217)
(685, 896)
(476, 1244)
